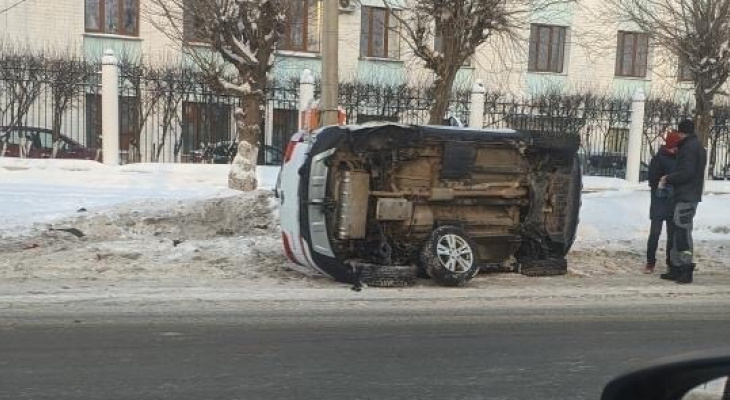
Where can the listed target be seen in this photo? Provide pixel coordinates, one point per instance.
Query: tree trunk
(442, 93)
(703, 116)
(248, 127)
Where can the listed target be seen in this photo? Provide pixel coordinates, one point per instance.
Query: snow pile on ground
(601, 183)
(231, 237)
(152, 223)
(33, 190)
(611, 216)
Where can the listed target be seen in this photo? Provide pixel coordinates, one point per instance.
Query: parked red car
(41, 144)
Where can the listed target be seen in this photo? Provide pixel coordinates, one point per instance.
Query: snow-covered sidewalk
(173, 235)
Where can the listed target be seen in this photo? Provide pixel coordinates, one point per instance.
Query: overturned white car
(378, 204)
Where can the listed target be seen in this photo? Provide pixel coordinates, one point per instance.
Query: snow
(45, 190)
(624, 215)
(175, 233)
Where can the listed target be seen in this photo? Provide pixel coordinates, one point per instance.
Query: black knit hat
(687, 127)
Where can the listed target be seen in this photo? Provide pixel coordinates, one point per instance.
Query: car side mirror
(693, 376)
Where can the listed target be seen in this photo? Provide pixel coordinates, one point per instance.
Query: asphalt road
(348, 354)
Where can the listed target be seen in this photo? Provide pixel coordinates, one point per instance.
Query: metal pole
(110, 108)
(330, 79)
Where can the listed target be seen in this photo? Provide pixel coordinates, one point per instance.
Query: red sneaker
(649, 267)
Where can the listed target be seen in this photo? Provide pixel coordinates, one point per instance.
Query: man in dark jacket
(662, 207)
(687, 181)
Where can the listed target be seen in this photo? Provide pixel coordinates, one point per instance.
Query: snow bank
(624, 215)
(235, 237)
(602, 183)
(45, 190)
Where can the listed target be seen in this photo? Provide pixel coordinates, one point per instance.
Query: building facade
(568, 48)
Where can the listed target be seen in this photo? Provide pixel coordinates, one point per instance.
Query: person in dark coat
(662, 209)
(687, 180)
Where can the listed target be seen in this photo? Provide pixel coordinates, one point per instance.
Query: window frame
(102, 19)
(286, 44)
(189, 28)
(387, 23)
(683, 72)
(533, 61)
(438, 46)
(636, 71)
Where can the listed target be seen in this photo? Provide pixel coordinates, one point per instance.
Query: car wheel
(450, 256)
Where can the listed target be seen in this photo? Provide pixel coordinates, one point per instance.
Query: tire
(450, 256)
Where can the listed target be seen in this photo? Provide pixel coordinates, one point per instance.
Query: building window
(379, 33)
(120, 17)
(632, 54)
(438, 45)
(684, 73)
(193, 26)
(205, 124)
(303, 26)
(547, 48)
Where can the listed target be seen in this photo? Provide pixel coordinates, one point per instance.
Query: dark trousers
(683, 247)
(654, 234)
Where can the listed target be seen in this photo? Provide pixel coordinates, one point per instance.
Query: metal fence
(660, 116)
(174, 115)
(368, 102)
(602, 123)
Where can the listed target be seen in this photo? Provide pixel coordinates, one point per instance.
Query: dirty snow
(45, 190)
(155, 232)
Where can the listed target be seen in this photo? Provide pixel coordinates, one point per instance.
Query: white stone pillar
(306, 94)
(476, 108)
(110, 108)
(636, 132)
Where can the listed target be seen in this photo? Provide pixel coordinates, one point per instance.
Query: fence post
(476, 106)
(636, 132)
(110, 108)
(306, 94)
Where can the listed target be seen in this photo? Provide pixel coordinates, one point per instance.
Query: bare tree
(171, 88)
(244, 35)
(444, 34)
(697, 32)
(21, 75)
(65, 77)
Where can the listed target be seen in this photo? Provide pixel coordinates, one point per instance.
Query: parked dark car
(223, 152)
(41, 141)
(609, 164)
